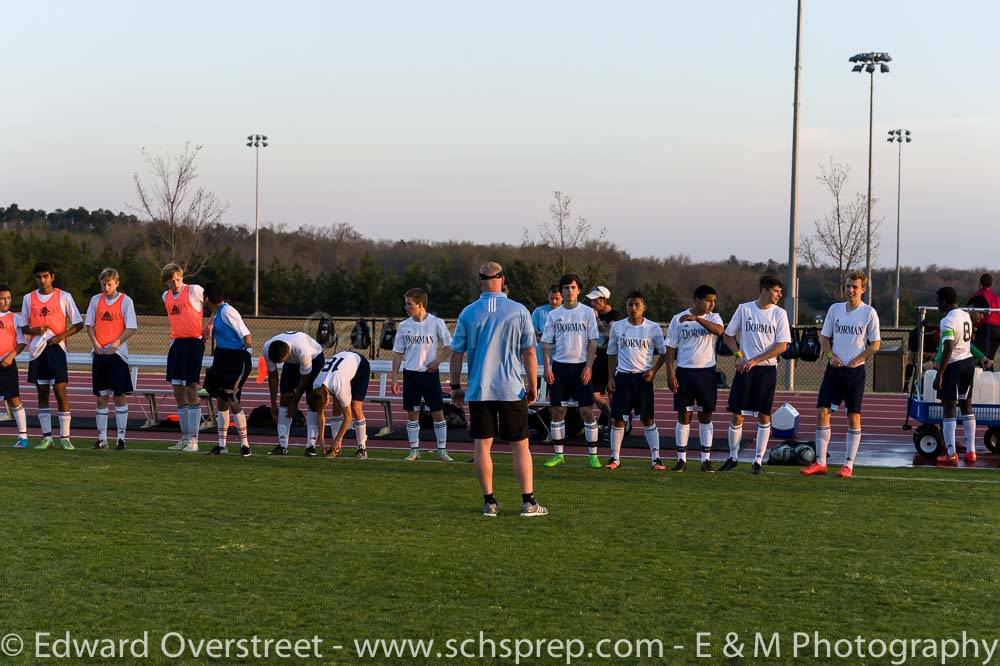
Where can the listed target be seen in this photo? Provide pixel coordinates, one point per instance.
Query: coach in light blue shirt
(498, 336)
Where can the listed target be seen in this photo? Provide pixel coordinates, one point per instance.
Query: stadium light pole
(869, 63)
(256, 141)
(793, 229)
(899, 136)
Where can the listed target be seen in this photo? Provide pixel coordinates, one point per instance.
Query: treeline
(337, 270)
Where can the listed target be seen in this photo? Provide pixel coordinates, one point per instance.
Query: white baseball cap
(599, 292)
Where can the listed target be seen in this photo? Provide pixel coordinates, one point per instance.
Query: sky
(669, 123)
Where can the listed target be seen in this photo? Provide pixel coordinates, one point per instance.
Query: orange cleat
(815, 468)
(658, 465)
(948, 461)
(846, 472)
(613, 464)
(970, 458)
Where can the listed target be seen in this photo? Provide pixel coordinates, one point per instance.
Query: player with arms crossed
(764, 335)
(631, 346)
(343, 383)
(12, 343)
(850, 336)
(230, 368)
(303, 360)
(691, 339)
(955, 374)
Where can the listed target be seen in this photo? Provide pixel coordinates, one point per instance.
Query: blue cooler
(785, 422)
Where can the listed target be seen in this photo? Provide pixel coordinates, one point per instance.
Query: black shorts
(8, 382)
(988, 340)
(569, 386)
(110, 375)
(291, 375)
(599, 377)
(956, 384)
(632, 392)
(842, 385)
(505, 419)
(230, 369)
(50, 367)
(696, 385)
(362, 378)
(421, 385)
(754, 391)
(184, 361)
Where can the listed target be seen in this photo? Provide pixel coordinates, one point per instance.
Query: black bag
(809, 347)
(361, 335)
(388, 338)
(261, 417)
(792, 351)
(326, 333)
(721, 349)
(453, 416)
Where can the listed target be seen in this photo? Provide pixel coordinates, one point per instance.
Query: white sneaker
(179, 446)
(443, 456)
(192, 447)
(533, 510)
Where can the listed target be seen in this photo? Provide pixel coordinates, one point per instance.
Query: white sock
(969, 428)
(101, 416)
(194, 422)
(948, 426)
(441, 434)
(617, 435)
(284, 423)
(335, 424)
(681, 434)
(558, 431)
(763, 434)
(312, 428)
(240, 418)
(706, 432)
(735, 435)
(590, 434)
(413, 433)
(822, 443)
(361, 433)
(45, 421)
(21, 421)
(182, 420)
(64, 420)
(223, 426)
(121, 421)
(853, 444)
(652, 440)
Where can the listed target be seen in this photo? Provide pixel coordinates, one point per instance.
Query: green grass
(111, 544)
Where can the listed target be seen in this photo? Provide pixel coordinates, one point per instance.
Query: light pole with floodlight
(256, 141)
(899, 136)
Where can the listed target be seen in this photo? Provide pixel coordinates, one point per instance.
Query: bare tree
(839, 239)
(560, 232)
(178, 214)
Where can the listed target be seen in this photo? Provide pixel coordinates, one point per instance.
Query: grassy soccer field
(112, 544)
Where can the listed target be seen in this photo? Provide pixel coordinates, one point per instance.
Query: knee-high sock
(652, 440)
(182, 420)
(590, 433)
(312, 428)
(681, 433)
(735, 435)
(441, 434)
(853, 444)
(763, 434)
(948, 426)
(361, 433)
(45, 421)
(194, 421)
(413, 433)
(617, 435)
(969, 428)
(240, 418)
(284, 423)
(334, 425)
(101, 416)
(706, 432)
(223, 426)
(822, 443)
(558, 431)
(121, 420)
(64, 420)
(21, 421)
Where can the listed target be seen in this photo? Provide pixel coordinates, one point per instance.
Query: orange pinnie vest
(109, 322)
(8, 333)
(185, 321)
(49, 313)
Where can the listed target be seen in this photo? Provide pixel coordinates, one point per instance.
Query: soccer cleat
(680, 466)
(557, 459)
(413, 455)
(594, 461)
(218, 450)
(948, 461)
(970, 458)
(533, 510)
(491, 509)
(444, 457)
(361, 453)
(120, 446)
(815, 468)
(613, 464)
(756, 469)
(310, 452)
(47, 442)
(278, 450)
(21, 443)
(730, 464)
(846, 472)
(245, 452)
(192, 447)
(706, 466)
(658, 465)
(179, 445)
(101, 444)
(65, 444)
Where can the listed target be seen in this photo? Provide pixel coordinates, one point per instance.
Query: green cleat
(47, 442)
(594, 461)
(557, 459)
(65, 444)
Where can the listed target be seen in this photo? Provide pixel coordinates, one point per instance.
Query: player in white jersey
(420, 344)
(632, 343)
(764, 335)
(569, 345)
(302, 357)
(691, 339)
(342, 383)
(850, 336)
(955, 373)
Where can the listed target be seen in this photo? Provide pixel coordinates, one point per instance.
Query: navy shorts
(8, 382)
(110, 375)
(184, 361)
(754, 391)
(50, 367)
(291, 375)
(362, 378)
(842, 385)
(696, 385)
(506, 419)
(230, 369)
(599, 377)
(421, 385)
(569, 386)
(632, 392)
(956, 384)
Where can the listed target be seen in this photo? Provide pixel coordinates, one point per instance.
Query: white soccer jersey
(301, 350)
(694, 344)
(635, 344)
(337, 374)
(419, 341)
(957, 327)
(66, 304)
(128, 314)
(851, 331)
(570, 331)
(759, 329)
